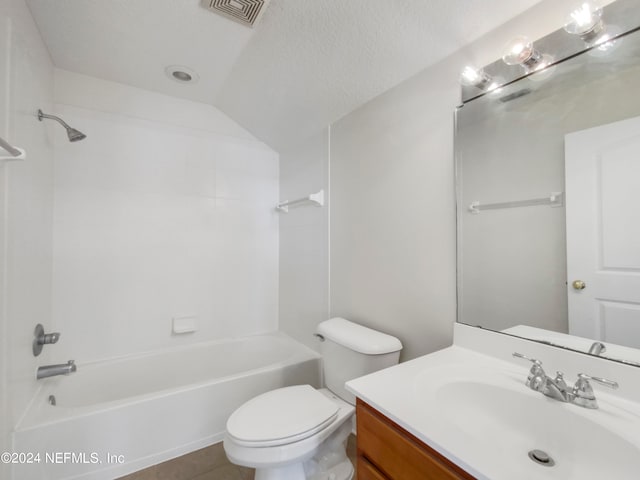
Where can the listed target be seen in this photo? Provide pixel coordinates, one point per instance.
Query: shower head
(73, 134)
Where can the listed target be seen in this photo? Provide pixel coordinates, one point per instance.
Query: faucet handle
(536, 368)
(584, 378)
(537, 378)
(583, 392)
(532, 360)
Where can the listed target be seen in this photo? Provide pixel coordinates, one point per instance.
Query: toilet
(299, 432)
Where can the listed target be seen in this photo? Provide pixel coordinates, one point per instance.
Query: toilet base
(342, 471)
(330, 462)
(288, 472)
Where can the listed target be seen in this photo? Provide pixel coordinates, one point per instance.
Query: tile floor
(209, 463)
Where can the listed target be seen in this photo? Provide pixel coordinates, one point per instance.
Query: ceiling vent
(247, 12)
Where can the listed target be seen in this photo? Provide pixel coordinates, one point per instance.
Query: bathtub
(114, 417)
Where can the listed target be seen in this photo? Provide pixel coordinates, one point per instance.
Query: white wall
(26, 84)
(513, 265)
(304, 240)
(392, 192)
(392, 216)
(165, 210)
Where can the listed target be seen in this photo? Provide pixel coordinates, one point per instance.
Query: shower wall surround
(26, 194)
(4, 344)
(165, 210)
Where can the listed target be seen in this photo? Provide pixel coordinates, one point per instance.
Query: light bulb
(474, 77)
(585, 20)
(520, 51)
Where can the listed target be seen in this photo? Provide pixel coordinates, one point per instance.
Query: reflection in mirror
(548, 177)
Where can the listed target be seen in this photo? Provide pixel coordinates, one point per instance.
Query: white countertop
(410, 394)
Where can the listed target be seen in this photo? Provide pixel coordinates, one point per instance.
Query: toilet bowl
(297, 442)
(299, 432)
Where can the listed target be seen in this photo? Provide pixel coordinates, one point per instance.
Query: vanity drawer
(367, 471)
(390, 452)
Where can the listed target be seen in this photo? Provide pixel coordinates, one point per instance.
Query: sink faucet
(580, 394)
(556, 388)
(597, 348)
(53, 370)
(540, 382)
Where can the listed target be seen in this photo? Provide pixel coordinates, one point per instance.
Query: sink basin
(515, 424)
(501, 418)
(477, 411)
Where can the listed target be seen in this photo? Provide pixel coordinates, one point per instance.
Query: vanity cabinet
(388, 452)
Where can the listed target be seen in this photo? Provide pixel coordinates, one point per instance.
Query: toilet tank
(350, 351)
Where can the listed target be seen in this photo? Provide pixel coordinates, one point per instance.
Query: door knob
(579, 285)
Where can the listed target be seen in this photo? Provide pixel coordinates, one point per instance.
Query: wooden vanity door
(388, 452)
(368, 471)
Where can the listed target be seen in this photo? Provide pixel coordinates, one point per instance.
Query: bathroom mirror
(548, 187)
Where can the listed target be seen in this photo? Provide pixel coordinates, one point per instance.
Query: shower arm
(42, 115)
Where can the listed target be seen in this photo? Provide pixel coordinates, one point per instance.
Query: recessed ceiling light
(181, 74)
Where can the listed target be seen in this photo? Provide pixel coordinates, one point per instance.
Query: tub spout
(59, 369)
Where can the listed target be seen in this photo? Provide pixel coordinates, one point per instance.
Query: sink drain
(541, 458)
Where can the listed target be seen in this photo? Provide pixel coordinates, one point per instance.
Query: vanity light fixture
(475, 77)
(520, 51)
(585, 21)
(607, 42)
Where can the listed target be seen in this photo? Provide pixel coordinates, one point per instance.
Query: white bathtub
(149, 408)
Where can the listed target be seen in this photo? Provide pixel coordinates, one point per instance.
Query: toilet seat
(281, 417)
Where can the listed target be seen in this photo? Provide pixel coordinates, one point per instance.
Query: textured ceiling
(306, 64)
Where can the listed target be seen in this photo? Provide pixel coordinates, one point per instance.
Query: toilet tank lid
(358, 338)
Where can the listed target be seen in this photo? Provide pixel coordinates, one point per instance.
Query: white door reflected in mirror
(602, 177)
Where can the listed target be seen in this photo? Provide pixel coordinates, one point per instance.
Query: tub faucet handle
(40, 339)
(50, 338)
